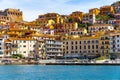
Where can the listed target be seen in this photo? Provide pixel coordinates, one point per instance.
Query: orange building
(105, 10)
(76, 16)
(95, 11)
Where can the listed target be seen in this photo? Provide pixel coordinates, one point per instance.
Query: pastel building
(24, 46)
(14, 15)
(54, 48)
(95, 11)
(100, 27)
(76, 16)
(89, 18)
(82, 46)
(105, 10)
(115, 44)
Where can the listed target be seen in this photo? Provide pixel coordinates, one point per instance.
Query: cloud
(32, 8)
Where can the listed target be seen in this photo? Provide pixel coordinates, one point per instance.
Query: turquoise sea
(59, 72)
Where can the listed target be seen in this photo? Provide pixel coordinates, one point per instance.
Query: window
(72, 42)
(92, 41)
(117, 35)
(72, 47)
(96, 46)
(24, 41)
(76, 42)
(80, 47)
(84, 47)
(84, 42)
(33, 45)
(80, 42)
(76, 47)
(24, 45)
(67, 47)
(117, 45)
(88, 46)
(0, 48)
(66, 42)
(117, 40)
(92, 46)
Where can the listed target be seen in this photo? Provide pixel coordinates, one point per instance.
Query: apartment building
(115, 44)
(24, 46)
(82, 46)
(95, 11)
(105, 10)
(100, 27)
(76, 16)
(116, 7)
(14, 15)
(89, 18)
(54, 48)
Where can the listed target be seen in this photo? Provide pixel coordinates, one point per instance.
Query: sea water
(59, 72)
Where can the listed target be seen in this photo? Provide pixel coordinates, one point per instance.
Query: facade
(116, 7)
(76, 16)
(54, 48)
(115, 44)
(80, 47)
(89, 18)
(15, 15)
(79, 31)
(1, 46)
(24, 46)
(43, 19)
(105, 10)
(105, 45)
(95, 11)
(100, 27)
(4, 18)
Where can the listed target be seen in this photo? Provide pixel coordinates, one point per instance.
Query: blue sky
(32, 8)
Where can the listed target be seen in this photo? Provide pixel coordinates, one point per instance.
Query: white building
(54, 48)
(100, 27)
(115, 44)
(89, 18)
(24, 46)
(1, 46)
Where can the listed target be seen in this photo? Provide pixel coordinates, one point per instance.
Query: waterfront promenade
(60, 62)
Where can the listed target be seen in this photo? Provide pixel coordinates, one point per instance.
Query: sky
(32, 8)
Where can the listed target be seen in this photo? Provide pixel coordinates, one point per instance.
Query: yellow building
(44, 19)
(76, 16)
(14, 15)
(105, 45)
(82, 46)
(105, 10)
(95, 11)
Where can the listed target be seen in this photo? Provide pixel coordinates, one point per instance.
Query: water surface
(42, 72)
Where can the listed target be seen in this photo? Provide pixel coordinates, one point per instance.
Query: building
(95, 11)
(82, 46)
(115, 45)
(43, 19)
(54, 48)
(100, 27)
(4, 18)
(2, 46)
(105, 10)
(116, 7)
(76, 16)
(14, 15)
(105, 44)
(79, 31)
(89, 18)
(24, 46)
